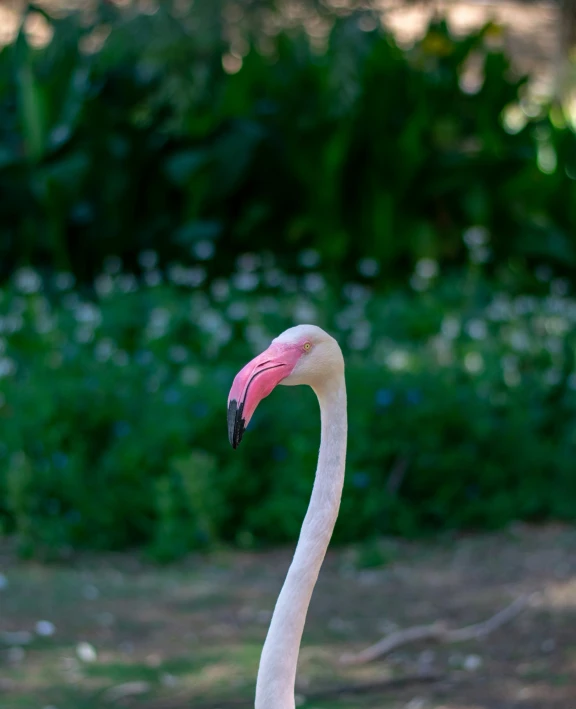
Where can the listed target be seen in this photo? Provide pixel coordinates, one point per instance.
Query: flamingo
(304, 354)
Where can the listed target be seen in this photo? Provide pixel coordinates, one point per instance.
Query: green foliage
(127, 136)
(125, 132)
(462, 409)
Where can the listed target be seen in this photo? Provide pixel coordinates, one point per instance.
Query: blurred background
(179, 182)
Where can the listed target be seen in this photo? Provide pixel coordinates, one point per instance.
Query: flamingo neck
(277, 672)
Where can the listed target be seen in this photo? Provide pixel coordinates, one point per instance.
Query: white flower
(13, 322)
(416, 703)
(346, 318)
(203, 250)
(258, 338)
(27, 280)
(472, 662)
(519, 340)
(474, 362)
(104, 350)
(427, 268)
(305, 312)
(148, 259)
(309, 258)
(223, 334)
(500, 309)
(555, 305)
(237, 310)
(64, 281)
(355, 292)
(313, 283)
(190, 376)
(418, 283)
(476, 329)
(442, 348)
(88, 313)
(158, 323)
(168, 680)
(45, 628)
(556, 325)
(476, 236)
(245, 281)
(450, 327)
(368, 267)
(103, 284)
(398, 360)
(84, 334)
(210, 320)
(480, 255)
(152, 278)
(359, 338)
(7, 367)
(86, 652)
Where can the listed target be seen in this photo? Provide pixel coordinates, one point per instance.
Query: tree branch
(438, 632)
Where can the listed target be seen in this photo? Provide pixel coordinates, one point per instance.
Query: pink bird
(301, 355)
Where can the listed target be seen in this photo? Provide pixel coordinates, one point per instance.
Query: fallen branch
(316, 695)
(124, 691)
(438, 632)
(373, 687)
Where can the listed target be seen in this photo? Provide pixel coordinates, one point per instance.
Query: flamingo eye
(307, 346)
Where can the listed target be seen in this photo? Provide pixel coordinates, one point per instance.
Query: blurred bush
(130, 131)
(143, 155)
(462, 408)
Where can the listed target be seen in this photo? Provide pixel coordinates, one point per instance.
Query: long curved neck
(277, 673)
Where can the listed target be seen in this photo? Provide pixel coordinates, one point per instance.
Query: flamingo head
(304, 354)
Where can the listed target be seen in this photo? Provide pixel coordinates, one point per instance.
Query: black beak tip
(236, 426)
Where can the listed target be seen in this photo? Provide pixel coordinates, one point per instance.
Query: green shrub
(462, 408)
(126, 133)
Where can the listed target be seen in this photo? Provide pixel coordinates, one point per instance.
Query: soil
(531, 29)
(128, 633)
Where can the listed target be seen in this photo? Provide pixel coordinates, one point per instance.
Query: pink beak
(254, 382)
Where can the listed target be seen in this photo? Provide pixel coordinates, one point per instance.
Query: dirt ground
(531, 28)
(118, 631)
